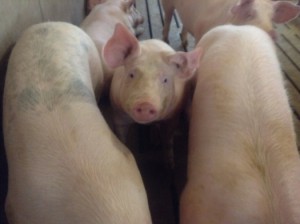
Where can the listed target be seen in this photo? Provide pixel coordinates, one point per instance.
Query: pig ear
(284, 11)
(244, 9)
(186, 62)
(121, 46)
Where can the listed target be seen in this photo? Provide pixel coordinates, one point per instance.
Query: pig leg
(183, 37)
(139, 31)
(138, 19)
(129, 8)
(169, 10)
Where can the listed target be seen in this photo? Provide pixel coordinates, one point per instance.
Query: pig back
(242, 144)
(64, 162)
(53, 64)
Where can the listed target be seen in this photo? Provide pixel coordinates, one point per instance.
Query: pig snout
(144, 112)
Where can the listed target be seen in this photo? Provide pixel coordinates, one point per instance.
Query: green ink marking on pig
(29, 98)
(32, 98)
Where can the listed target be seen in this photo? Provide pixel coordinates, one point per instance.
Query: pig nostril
(152, 112)
(145, 111)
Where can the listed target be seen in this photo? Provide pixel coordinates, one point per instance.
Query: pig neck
(180, 97)
(100, 25)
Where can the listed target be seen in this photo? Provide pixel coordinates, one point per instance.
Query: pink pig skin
(199, 16)
(243, 162)
(92, 3)
(65, 164)
(100, 23)
(150, 79)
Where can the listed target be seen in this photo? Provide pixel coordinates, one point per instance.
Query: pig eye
(131, 75)
(165, 80)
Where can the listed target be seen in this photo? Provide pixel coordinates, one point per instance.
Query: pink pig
(100, 23)
(199, 16)
(65, 164)
(243, 162)
(150, 78)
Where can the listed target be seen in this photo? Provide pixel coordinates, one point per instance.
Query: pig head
(150, 78)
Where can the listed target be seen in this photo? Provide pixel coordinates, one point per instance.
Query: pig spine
(243, 163)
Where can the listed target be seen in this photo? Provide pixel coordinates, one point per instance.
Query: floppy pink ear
(284, 11)
(121, 46)
(186, 62)
(244, 9)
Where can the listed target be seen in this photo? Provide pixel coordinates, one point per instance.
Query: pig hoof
(139, 31)
(141, 20)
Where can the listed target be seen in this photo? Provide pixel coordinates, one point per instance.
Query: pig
(199, 16)
(243, 164)
(150, 79)
(65, 164)
(100, 23)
